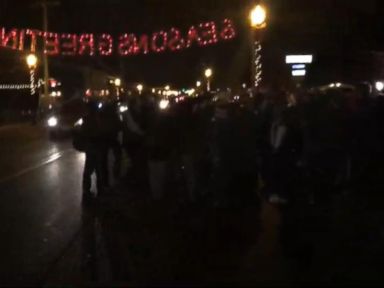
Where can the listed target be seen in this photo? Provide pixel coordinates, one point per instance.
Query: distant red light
(52, 83)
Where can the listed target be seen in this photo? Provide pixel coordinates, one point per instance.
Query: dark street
(149, 143)
(126, 239)
(40, 202)
(51, 240)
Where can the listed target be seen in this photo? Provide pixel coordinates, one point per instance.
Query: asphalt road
(47, 238)
(40, 212)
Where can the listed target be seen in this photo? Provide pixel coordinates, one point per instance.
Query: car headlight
(123, 108)
(79, 122)
(164, 104)
(52, 121)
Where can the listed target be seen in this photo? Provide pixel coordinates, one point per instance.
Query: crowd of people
(232, 149)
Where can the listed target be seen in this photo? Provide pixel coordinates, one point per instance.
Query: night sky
(327, 28)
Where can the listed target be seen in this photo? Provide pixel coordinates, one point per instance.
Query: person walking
(92, 136)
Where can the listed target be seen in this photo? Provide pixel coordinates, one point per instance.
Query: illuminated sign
(298, 66)
(126, 44)
(297, 73)
(298, 59)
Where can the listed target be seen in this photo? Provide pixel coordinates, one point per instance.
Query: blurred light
(79, 122)
(88, 92)
(123, 108)
(332, 85)
(52, 121)
(298, 66)
(100, 105)
(244, 85)
(171, 93)
(53, 83)
(198, 84)
(167, 87)
(14, 86)
(258, 16)
(298, 59)
(117, 82)
(140, 87)
(58, 93)
(31, 60)
(163, 104)
(297, 73)
(153, 90)
(190, 92)
(208, 72)
(338, 85)
(379, 85)
(54, 94)
(50, 106)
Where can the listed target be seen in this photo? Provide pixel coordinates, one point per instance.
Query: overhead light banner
(126, 44)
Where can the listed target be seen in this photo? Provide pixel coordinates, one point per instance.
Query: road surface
(49, 239)
(40, 212)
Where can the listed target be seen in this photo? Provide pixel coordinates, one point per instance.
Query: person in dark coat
(91, 131)
(112, 126)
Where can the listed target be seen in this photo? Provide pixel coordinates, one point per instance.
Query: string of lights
(14, 86)
(258, 64)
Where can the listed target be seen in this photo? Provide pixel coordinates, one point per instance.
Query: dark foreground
(125, 238)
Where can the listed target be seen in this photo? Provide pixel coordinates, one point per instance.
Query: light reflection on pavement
(40, 211)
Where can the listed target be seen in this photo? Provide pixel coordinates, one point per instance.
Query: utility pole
(45, 57)
(44, 4)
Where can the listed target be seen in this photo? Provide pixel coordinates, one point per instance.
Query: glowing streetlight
(117, 82)
(140, 88)
(32, 64)
(31, 61)
(208, 74)
(258, 17)
(258, 21)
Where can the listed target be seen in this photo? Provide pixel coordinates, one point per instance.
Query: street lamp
(117, 83)
(140, 88)
(31, 61)
(32, 64)
(208, 74)
(258, 17)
